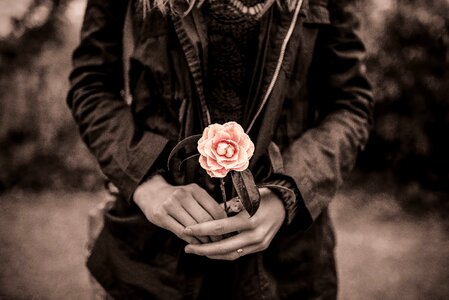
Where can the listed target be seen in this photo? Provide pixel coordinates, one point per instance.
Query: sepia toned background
(391, 217)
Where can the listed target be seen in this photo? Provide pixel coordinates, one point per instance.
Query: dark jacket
(317, 111)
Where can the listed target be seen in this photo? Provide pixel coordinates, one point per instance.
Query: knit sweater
(233, 39)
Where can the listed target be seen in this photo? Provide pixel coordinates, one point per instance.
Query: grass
(382, 252)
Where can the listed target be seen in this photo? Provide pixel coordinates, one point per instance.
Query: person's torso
(170, 64)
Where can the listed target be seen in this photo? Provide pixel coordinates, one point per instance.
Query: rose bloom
(224, 148)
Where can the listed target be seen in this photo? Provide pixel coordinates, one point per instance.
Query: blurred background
(391, 217)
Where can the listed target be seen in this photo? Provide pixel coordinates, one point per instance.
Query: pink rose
(224, 148)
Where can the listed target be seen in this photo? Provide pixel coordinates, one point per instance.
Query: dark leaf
(189, 157)
(246, 190)
(185, 142)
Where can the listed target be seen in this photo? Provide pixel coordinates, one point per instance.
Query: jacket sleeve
(124, 151)
(320, 158)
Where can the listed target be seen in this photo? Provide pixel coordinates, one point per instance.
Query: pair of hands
(194, 216)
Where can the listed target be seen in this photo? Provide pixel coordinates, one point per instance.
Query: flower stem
(223, 193)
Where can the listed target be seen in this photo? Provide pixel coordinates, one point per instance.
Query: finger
(223, 247)
(207, 202)
(175, 227)
(199, 215)
(239, 222)
(185, 219)
(233, 255)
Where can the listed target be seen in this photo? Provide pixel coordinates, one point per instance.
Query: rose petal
(213, 164)
(221, 135)
(250, 150)
(205, 133)
(218, 173)
(209, 149)
(200, 146)
(212, 130)
(235, 131)
(243, 167)
(242, 159)
(203, 162)
(245, 142)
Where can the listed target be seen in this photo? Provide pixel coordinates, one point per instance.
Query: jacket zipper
(278, 65)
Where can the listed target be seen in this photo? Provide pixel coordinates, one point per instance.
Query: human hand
(175, 207)
(254, 234)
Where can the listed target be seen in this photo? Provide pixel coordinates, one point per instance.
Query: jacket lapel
(274, 56)
(192, 34)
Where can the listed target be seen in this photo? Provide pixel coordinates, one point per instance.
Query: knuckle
(265, 244)
(157, 216)
(167, 204)
(178, 194)
(258, 237)
(193, 186)
(252, 223)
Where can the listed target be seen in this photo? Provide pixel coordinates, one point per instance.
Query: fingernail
(187, 250)
(188, 231)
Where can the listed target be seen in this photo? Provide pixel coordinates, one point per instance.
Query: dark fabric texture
(232, 38)
(318, 114)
